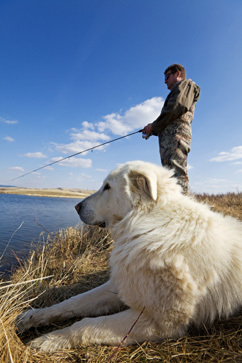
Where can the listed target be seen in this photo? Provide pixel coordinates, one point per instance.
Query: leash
(78, 153)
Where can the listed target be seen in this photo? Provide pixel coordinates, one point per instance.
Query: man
(173, 125)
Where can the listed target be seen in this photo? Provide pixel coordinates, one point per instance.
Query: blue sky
(76, 73)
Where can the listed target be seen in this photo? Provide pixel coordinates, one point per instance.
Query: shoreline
(47, 192)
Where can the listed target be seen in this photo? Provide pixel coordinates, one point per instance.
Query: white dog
(174, 262)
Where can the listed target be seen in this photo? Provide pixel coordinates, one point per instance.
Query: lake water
(19, 219)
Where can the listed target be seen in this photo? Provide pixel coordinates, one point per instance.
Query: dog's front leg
(100, 300)
(109, 330)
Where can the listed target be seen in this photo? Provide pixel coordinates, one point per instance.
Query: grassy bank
(56, 192)
(76, 260)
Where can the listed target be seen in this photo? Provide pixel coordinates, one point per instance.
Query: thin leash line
(78, 153)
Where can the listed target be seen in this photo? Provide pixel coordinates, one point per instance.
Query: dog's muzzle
(78, 207)
(87, 216)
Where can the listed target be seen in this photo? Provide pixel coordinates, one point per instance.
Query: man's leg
(174, 143)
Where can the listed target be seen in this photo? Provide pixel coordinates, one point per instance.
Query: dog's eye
(106, 187)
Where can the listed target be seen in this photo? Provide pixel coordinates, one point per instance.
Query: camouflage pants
(174, 143)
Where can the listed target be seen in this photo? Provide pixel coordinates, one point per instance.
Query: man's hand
(147, 129)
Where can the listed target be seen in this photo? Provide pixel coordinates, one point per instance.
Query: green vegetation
(76, 260)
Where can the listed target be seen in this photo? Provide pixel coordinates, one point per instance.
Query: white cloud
(113, 123)
(189, 167)
(134, 118)
(88, 135)
(238, 171)
(215, 186)
(17, 168)
(88, 125)
(91, 135)
(76, 147)
(86, 175)
(37, 155)
(234, 154)
(9, 139)
(85, 125)
(102, 170)
(74, 162)
(9, 122)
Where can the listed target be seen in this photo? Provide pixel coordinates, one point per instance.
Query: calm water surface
(19, 215)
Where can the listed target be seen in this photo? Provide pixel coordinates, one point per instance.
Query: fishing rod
(78, 153)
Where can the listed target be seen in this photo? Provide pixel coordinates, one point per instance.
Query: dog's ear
(142, 182)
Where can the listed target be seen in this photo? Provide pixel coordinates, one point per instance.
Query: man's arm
(178, 102)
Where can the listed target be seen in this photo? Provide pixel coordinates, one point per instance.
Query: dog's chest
(127, 274)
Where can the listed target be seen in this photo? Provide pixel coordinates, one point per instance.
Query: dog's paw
(30, 318)
(51, 342)
(25, 320)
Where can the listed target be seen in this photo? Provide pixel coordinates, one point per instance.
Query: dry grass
(56, 192)
(76, 260)
(230, 204)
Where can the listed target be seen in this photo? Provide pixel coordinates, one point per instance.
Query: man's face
(171, 79)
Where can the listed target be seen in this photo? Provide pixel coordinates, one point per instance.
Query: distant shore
(57, 192)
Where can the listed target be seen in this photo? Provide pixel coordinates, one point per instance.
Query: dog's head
(131, 186)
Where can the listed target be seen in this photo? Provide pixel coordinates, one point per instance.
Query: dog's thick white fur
(172, 257)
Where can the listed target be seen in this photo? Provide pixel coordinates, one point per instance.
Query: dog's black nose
(78, 207)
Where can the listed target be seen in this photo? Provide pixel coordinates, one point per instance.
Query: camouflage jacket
(179, 105)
